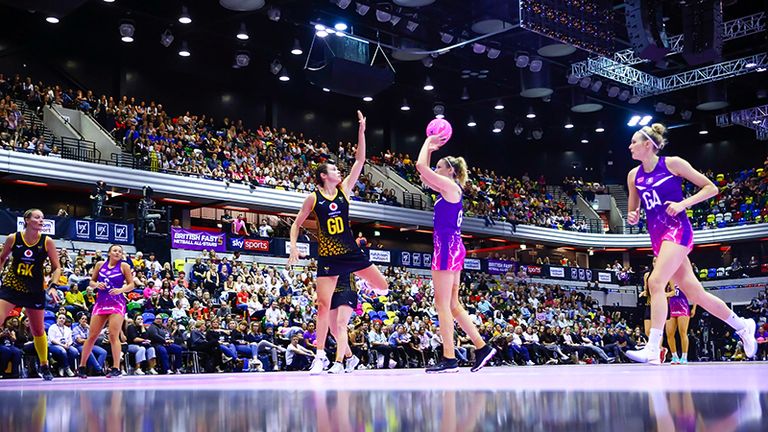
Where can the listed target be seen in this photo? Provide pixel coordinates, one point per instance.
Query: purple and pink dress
(678, 305)
(106, 303)
(655, 189)
(449, 250)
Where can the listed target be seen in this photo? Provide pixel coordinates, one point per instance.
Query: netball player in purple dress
(680, 314)
(657, 185)
(112, 279)
(448, 258)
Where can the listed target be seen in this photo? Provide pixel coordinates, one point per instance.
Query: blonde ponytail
(459, 166)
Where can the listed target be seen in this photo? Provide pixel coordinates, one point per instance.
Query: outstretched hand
(361, 119)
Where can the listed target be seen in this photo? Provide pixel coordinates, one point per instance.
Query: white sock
(674, 356)
(685, 356)
(654, 340)
(735, 321)
(321, 353)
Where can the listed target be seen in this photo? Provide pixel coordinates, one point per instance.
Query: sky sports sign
(249, 244)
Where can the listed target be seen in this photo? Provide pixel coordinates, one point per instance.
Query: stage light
(284, 76)
(633, 121)
(126, 32)
(242, 34)
(184, 18)
(52, 19)
(645, 120)
(340, 26)
(184, 50)
(471, 122)
(296, 50)
(405, 106)
(428, 85)
(166, 38)
(499, 105)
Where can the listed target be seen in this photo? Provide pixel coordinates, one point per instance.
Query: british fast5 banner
(105, 232)
(197, 240)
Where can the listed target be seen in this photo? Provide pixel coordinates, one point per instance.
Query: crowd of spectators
(15, 132)
(243, 316)
(743, 199)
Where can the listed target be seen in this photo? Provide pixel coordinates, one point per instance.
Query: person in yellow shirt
(74, 301)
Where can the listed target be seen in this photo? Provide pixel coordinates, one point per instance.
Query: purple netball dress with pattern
(449, 249)
(656, 188)
(678, 304)
(106, 303)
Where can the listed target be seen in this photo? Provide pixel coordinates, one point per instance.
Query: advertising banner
(379, 256)
(197, 240)
(49, 226)
(499, 267)
(106, 232)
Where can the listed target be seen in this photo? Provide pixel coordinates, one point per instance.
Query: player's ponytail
(459, 166)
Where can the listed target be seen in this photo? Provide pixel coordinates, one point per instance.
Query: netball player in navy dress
(23, 283)
(657, 185)
(448, 258)
(338, 254)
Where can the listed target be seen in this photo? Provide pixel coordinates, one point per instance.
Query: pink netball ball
(440, 127)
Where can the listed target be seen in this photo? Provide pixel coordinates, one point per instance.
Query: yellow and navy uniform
(337, 250)
(345, 293)
(23, 282)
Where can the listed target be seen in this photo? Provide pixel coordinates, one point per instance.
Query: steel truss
(754, 118)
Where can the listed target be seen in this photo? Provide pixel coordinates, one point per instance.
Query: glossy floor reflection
(296, 402)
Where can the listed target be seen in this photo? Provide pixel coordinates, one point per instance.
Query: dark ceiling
(92, 27)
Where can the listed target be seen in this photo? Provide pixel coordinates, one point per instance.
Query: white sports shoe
(747, 335)
(318, 365)
(352, 363)
(645, 355)
(337, 368)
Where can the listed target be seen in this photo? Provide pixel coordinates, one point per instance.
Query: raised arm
(306, 208)
(354, 173)
(439, 183)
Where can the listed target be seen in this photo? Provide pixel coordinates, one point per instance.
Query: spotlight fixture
(394, 20)
(368, 99)
(498, 126)
(613, 91)
(405, 106)
(471, 122)
(645, 120)
(362, 9)
(326, 89)
(242, 59)
(284, 75)
(126, 32)
(573, 79)
(599, 128)
(343, 3)
(52, 19)
(446, 37)
(412, 26)
(493, 53)
(660, 106)
(242, 34)
(184, 50)
(518, 129)
(584, 141)
(383, 16)
(669, 109)
(633, 121)
(522, 60)
(584, 82)
(537, 133)
(703, 131)
(499, 105)
(686, 115)
(634, 99)
(166, 38)
(750, 65)
(624, 95)
(296, 50)
(428, 61)
(439, 110)
(596, 86)
(478, 48)
(322, 33)
(465, 94)
(184, 18)
(531, 114)
(341, 27)
(761, 69)
(568, 123)
(536, 65)
(275, 67)
(274, 14)
(428, 85)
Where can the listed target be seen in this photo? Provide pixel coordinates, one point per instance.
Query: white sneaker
(530, 363)
(318, 365)
(139, 372)
(69, 372)
(645, 355)
(747, 335)
(352, 363)
(337, 368)
(152, 372)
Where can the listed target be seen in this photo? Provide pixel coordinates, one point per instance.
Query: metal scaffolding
(754, 118)
(643, 84)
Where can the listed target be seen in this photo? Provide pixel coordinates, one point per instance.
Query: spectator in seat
(60, 346)
(296, 356)
(239, 226)
(79, 334)
(140, 346)
(164, 346)
(265, 230)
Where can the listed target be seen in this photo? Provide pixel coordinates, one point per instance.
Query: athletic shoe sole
(485, 360)
(449, 370)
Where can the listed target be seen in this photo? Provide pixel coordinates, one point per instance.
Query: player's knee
(656, 284)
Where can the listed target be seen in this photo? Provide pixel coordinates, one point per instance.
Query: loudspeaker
(702, 31)
(351, 78)
(645, 26)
